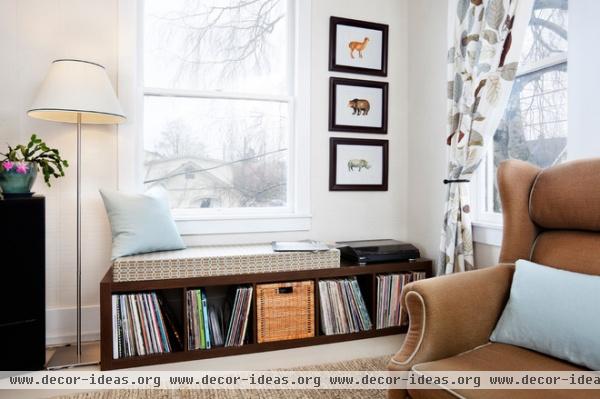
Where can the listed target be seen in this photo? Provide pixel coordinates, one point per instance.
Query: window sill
(242, 224)
(487, 233)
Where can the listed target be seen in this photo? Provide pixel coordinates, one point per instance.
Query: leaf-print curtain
(486, 37)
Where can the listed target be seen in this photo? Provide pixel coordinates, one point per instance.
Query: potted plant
(19, 167)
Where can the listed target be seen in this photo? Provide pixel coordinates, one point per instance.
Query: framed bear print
(358, 46)
(358, 164)
(359, 106)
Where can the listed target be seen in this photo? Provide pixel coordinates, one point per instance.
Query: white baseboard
(61, 324)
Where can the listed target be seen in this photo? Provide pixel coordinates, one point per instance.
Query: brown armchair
(551, 217)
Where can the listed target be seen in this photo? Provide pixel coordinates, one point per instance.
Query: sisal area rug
(370, 364)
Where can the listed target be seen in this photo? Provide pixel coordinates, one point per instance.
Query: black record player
(373, 251)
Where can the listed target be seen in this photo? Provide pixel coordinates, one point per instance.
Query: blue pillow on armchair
(140, 223)
(553, 311)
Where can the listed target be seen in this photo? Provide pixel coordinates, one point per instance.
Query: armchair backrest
(552, 216)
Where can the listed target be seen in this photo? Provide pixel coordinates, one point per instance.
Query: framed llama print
(358, 46)
(359, 106)
(358, 164)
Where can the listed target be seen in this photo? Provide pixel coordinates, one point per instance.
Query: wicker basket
(285, 311)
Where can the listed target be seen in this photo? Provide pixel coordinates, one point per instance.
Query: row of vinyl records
(343, 308)
(389, 290)
(211, 324)
(143, 325)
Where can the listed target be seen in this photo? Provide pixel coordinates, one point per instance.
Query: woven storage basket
(285, 311)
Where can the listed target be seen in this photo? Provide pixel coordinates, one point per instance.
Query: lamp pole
(79, 237)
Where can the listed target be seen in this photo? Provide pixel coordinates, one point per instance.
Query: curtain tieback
(448, 181)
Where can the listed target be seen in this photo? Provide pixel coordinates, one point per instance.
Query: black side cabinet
(22, 284)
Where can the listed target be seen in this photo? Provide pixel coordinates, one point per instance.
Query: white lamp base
(65, 357)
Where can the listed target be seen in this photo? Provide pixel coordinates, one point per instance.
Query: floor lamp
(76, 91)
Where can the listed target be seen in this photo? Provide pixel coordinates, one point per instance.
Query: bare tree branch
(559, 30)
(232, 37)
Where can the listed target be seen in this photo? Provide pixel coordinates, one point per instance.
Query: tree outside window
(534, 127)
(218, 102)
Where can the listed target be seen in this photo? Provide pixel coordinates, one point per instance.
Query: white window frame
(296, 216)
(487, 226)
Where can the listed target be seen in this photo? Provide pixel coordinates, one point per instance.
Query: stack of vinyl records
(389, 291)
(199, 326)
(418, 276)
(218, 316)
(343, 308)
(142, 325)
(213, 324)
(236, 333)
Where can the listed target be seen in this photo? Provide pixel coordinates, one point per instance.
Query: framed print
(358, 106)
(358, 46)
(358, 164)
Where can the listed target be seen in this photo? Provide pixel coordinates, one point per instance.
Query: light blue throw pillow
(140, 223)
(555, 312)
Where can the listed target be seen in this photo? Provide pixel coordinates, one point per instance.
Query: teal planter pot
(14, 183)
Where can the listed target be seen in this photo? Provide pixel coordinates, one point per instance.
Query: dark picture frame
(333, 43)
(333, 101)
(334, 185)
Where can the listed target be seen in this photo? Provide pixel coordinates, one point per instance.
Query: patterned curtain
(486, 37)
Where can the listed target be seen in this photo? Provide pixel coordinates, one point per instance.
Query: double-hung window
(225, 114)
(534, 126)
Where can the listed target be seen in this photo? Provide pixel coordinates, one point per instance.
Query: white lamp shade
(77, 87)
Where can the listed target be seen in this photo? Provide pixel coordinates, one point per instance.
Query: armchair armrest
(451, 314)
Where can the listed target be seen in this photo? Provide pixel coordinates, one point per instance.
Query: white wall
(427, 122)
(34, 32)
(486, 255)
(584, 80)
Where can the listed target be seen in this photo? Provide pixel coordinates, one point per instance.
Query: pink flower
(7, 165)
(22, 167)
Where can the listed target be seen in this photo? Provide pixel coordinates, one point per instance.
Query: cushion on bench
(219, 260)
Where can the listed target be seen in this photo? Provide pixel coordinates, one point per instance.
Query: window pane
(229, 45)
(534, 127)
(547, 33)
(217, 153)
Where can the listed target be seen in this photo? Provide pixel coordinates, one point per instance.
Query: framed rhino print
(358, 106)
(358, 46)
(358, 164)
